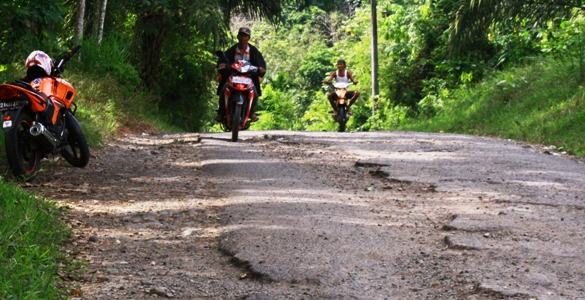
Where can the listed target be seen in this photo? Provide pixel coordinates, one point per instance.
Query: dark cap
(245, 30)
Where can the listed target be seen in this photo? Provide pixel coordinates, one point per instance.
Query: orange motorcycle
(38, 120)
(341, 115)
(238, 92)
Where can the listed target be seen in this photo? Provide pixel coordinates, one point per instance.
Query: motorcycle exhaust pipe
(41, 133)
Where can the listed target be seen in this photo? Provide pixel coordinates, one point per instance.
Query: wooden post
(375, 87)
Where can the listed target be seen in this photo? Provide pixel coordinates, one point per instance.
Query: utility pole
(375, 87)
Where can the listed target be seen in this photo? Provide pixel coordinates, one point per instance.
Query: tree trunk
(102, 19)
(151, 33)
(78, 36)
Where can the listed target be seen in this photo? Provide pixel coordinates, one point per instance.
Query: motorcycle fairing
(341, 93)
(243, 66)
(38, 101)
(59, 89)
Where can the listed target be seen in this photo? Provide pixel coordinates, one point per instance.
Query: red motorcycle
(38, 120)
(238, 92)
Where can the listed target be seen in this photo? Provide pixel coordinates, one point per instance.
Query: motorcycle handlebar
(68, 55)
(72, 52)
(65, 57)
(75, 49)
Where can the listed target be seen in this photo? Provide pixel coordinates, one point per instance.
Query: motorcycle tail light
(7, 93)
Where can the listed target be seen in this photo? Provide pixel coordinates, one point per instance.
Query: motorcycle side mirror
(221, 55)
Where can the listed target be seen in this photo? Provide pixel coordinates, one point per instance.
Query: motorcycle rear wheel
(342, 117)
(76, 152)
(23, 154)
(237, 117)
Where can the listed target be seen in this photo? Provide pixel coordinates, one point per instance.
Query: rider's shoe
(218, 118)
(349, 112)
(254, 118)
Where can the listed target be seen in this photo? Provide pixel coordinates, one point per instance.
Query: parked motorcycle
(39, 121)
(239, 93)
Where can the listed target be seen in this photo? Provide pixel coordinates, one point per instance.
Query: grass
(542, 103)
(31, 232)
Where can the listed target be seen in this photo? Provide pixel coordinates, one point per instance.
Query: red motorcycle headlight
(8, 93)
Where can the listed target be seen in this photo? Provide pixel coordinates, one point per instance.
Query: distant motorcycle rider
(342, 75)
(241, 51)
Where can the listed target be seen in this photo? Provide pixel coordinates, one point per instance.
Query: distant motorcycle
(341, 105)
(239, 94)
(39, 120)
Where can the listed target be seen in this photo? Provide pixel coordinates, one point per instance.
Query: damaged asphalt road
(324, 215)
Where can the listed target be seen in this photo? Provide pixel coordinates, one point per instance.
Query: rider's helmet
(38, 64)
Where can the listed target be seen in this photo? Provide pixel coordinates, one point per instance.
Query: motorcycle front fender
(341, 93)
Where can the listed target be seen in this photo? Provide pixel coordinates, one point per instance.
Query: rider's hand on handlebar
(262, 71)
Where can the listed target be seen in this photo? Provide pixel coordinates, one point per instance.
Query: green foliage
(30, 236)
(108, 58)
(316, 64)
(278, 110)
(28, 25)
(318, 116)
(539, 103)
(474, 19)
(567, 42)
(188, 98)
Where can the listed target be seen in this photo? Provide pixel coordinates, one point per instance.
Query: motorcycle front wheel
(237, 117)
(23, 154)
(76, 153)
(342, 117)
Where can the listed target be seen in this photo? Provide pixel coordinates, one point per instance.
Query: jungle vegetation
(504, 68)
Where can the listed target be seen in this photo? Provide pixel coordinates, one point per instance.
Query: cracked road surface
(323, 215)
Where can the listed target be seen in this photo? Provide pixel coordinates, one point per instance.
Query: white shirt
(243, 56)
(341, 79)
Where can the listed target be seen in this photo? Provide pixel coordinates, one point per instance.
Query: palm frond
(473, 18)
(267, 9)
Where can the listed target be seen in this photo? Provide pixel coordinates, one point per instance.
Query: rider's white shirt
(341, 79)
(243, 56)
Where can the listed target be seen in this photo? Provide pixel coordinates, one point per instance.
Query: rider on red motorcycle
(241, 51)
(342, 75)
